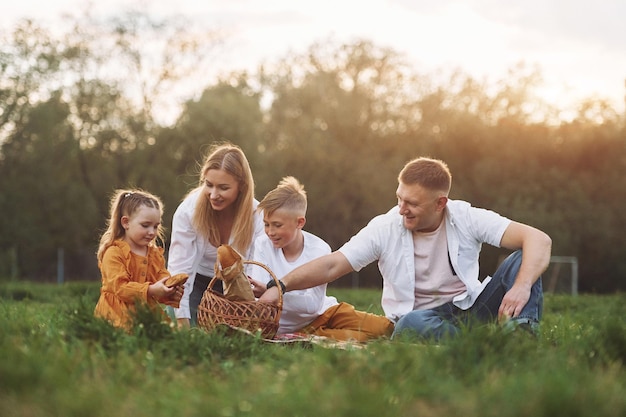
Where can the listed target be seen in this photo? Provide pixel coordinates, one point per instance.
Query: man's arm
(319, 271)
(536, 250)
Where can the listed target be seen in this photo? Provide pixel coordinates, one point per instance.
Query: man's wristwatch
(272, 283)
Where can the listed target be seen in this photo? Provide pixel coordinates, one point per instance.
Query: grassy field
(57, 360)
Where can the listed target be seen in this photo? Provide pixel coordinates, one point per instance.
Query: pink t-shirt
(435, 282)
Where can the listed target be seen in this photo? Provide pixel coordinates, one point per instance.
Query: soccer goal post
(561, 275)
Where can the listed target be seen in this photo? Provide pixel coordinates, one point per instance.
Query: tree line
(79, 118)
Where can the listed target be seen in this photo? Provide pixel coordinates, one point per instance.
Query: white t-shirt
(300, 307)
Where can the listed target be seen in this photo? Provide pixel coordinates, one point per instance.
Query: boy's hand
(270, 296)
(258, 288)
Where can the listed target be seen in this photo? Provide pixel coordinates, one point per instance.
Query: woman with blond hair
(221, 210)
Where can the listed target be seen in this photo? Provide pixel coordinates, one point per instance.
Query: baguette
(227, 256)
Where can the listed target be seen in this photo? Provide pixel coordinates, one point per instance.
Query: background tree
(82, 114)
(338, 112)
(228, 111)
(71, 119)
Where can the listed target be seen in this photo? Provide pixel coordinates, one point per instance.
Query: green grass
(56, 359)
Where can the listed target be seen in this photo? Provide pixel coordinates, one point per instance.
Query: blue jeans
(447, 319)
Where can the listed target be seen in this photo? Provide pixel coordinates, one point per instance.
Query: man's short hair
(432, 174)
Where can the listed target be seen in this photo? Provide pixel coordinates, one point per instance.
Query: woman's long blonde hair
(125, 203)
(230, 158)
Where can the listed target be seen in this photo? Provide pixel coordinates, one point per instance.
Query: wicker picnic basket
(215, 310)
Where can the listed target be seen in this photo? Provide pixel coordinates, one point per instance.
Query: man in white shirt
(427, 249)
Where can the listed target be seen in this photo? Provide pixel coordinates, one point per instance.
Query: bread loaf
(175, 280)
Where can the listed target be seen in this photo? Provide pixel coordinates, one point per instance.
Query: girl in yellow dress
(131, 264)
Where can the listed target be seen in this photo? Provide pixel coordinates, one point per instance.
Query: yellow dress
(125, 280)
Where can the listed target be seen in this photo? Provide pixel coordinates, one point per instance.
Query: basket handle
(267, 268)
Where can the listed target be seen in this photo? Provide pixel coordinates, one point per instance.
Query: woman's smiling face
(221, 188)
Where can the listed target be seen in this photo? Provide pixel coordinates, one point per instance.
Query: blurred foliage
(78, 119)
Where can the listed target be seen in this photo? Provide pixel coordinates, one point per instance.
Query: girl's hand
(177, 294)
(161, 292)
(258, 288)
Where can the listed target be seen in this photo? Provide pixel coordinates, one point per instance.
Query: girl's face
(221, 188)
(141, 228)
(282, 227)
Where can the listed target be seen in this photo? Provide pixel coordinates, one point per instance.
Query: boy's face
(283, 227)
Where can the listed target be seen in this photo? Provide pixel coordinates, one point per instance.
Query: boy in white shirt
(286, 246)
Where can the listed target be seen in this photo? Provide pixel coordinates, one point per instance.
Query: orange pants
(342, 322)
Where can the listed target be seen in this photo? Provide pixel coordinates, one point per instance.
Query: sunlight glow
(481, 38)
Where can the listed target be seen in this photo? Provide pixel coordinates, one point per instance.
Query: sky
(579, 46)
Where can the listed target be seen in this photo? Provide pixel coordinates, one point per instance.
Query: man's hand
(513, 302)
(536, 247)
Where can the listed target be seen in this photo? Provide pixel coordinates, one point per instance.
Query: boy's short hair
(288, 195)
